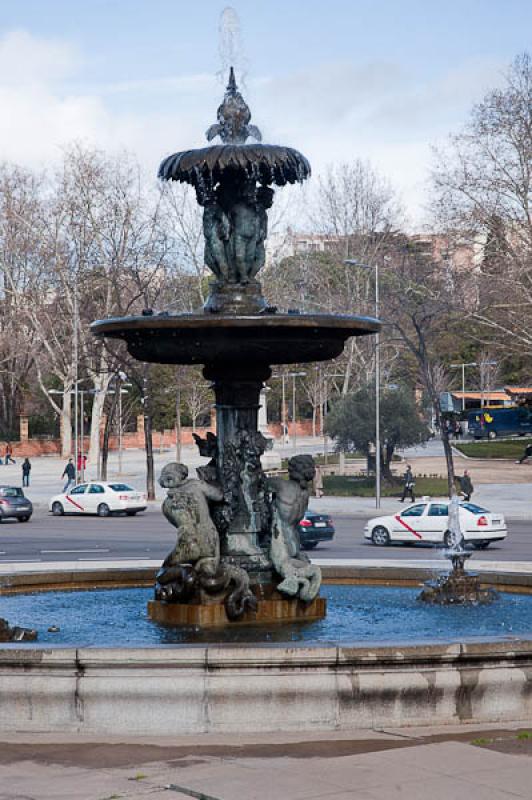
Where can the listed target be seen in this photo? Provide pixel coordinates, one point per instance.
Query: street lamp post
(462, 366)
(353, 262)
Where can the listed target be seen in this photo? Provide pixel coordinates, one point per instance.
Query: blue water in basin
(118, 617)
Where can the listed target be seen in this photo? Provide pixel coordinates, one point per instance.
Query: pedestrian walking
(408, 484)
(526, 455)
(457, 429)
(466, 486)
(9, 455)
(70, 473)
(26, 469)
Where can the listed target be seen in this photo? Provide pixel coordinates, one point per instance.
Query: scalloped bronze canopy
(266, 163)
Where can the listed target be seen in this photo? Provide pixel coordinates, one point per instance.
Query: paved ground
(450, 763)
(484, 763)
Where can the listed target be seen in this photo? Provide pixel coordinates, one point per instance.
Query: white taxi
(428, 521)
(98, 497)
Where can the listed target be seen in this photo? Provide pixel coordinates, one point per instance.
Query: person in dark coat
(26, 469)
(408, 484)
(70, 473)
(526, 455)
(466, 486)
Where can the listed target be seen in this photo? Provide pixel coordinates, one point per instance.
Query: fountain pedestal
(280, 611)
(457, 587)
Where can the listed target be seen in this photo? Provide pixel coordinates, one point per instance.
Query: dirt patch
(104, 756)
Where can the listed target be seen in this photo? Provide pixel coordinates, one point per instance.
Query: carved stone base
(235, 298)
(268, 611)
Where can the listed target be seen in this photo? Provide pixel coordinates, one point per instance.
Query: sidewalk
(506, 488)
(46, 471)
(445, 763)
(512, 500)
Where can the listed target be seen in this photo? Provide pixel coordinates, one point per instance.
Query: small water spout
(230, 45)
(457, 586)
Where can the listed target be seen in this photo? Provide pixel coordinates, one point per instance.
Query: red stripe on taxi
(411, 530)
(74, 503)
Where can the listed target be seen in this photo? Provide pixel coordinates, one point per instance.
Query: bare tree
(21, 259)
(420, 307)
(196, 394)
(483, 193)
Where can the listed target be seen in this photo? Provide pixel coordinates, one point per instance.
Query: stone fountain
(237, 556)
(457, 586)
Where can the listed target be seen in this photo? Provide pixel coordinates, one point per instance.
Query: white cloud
(337, 112)
(27, 59)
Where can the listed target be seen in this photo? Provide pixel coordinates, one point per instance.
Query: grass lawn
(355, 486)
(491, 448)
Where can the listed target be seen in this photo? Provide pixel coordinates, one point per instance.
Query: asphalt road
(148, 535)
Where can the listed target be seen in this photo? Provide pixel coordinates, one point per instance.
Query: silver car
(13, 503)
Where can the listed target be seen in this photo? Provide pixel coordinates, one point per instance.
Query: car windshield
(11, 491)
(474, 509)
(121, 487)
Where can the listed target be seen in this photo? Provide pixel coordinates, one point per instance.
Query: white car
(98, 497)
(428, 521)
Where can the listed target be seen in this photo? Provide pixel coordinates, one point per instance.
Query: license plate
(134, 497)
(320, 524)
(24, 508)
(495, 521)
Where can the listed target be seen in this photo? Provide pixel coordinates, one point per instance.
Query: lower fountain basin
(368, 614)
(235, 339)
(344, 673)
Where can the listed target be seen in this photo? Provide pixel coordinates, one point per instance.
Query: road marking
(17, 560)
(89, 550)
(119, 558)
(3, 552)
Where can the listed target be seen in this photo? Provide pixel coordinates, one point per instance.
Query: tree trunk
(66, 423)
(386, 461)
(106, 436)
(148, 437)
(446, 445)
(100, 386)
(178, 424)
(150, 468)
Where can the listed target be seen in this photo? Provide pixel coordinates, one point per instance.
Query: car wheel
(492, 435)
(309, 545)
(22, 519)
(130, 513)
(481, 545)
(380, 536)
(447, 539)
(103, 510)
(57, 509)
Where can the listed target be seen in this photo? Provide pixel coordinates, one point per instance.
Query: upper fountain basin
(233, 339)
(266, 163)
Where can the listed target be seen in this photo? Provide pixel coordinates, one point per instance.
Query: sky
(383, 81)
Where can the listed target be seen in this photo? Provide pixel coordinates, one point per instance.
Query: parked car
(315, 528)
(14, 504)
(98, 497)
(489, 423)
(428, 522)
